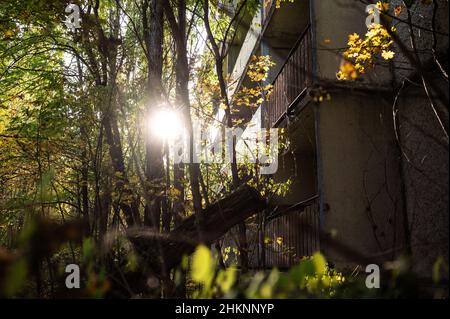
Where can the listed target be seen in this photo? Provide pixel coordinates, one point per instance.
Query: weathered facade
(362, 178)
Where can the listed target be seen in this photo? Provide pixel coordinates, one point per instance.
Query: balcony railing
(294, 235)
(281, 238)
(292, 80)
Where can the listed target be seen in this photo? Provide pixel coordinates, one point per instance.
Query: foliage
(362, 52)
(257, 73)
(278, 3)
(311, 276)
(76, 151)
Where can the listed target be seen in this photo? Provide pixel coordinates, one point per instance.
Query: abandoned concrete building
(362, 177)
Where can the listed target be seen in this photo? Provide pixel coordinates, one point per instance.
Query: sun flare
(165, 124)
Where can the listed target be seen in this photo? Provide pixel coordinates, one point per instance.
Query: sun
(166, 124)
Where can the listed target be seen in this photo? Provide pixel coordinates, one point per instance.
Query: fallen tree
(166, 250)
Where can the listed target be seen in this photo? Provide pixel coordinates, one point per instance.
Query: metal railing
(292, 80)
(294, 234)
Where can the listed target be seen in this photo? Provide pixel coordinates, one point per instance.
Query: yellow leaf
(9, 34)
(202, 265)
(387, 55)
(280, 241)
(320, 263)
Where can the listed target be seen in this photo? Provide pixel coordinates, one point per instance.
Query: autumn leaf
(280, 241)
(8, 34)
(202, 265)
(387, 55)
(398, 10)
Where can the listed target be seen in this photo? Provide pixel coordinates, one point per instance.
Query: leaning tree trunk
(218, 219)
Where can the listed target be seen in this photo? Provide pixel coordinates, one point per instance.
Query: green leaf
(268, 286)
(305, 269)
(320, 264)
(88, 249)
(184, 262)
(132, 264)
(254, 285)
(15, 277)
(202, 265)
(440, 263)
(226, 279)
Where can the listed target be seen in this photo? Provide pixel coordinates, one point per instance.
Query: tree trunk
(182, 91)
(153, 25)
(218, 218)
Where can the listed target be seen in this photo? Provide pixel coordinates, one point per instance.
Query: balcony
(293, 235)
(291, 82)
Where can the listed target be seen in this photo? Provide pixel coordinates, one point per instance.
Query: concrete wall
(333, 21)
(426, 175)
(361, 181)
(422, 16)
(299, 161)
(357, 139)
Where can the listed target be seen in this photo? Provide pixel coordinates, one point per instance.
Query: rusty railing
(292, 80)
(293, 235)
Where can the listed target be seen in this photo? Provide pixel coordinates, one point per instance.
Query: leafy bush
(310, 277)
